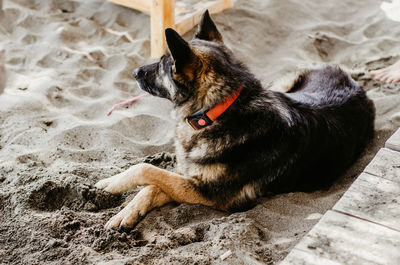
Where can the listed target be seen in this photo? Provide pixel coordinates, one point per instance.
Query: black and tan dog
(235, 140)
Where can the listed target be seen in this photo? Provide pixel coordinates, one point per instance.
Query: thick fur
(265, 142)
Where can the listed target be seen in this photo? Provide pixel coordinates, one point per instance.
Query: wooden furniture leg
(162, 17)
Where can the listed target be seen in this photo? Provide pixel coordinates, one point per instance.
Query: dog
(235, 140)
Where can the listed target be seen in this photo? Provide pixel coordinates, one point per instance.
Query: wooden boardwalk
(364, 225)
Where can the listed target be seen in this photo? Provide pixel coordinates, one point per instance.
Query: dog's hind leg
(288, 83)
(164, 186)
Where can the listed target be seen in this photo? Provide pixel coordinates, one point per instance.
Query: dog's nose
(138, 73)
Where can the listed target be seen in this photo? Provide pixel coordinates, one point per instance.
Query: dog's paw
(126, 219)
(114, 184)
(102, 184)
(124, 181)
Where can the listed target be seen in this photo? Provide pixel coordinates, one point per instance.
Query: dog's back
(334, 121)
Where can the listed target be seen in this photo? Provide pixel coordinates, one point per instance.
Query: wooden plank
(385, 164)
(141, 5)
(348, 240)
(374, 199)
(300, 257)
(394, 141)
(162, 17)
(185, 20)
(364, 226)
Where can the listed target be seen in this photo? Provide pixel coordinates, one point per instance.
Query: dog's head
(200, 71)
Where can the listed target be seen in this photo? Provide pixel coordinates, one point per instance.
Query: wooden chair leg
(162, 17)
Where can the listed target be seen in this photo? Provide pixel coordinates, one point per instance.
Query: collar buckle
(199, 120)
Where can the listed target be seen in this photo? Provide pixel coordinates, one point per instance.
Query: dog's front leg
(148, 198)
(170, 187)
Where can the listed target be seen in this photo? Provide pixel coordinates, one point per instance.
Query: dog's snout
(138, 73)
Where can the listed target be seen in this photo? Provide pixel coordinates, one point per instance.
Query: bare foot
(390, 74)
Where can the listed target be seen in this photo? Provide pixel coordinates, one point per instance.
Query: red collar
(204, 118)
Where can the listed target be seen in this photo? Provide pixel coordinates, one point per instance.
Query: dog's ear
(207, 29)
(179, 48)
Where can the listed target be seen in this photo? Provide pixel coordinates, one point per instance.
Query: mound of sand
(68, 62)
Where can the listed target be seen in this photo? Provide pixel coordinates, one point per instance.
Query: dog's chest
(188, 167)
(188, 147)
(191, 149)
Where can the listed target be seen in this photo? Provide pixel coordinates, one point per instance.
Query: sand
(68, 62)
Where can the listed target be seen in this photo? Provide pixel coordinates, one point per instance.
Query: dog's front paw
(126, 219)
(126, 180)
(102, 184)
(115, 184)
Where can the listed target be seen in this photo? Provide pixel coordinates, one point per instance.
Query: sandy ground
(68, 62)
